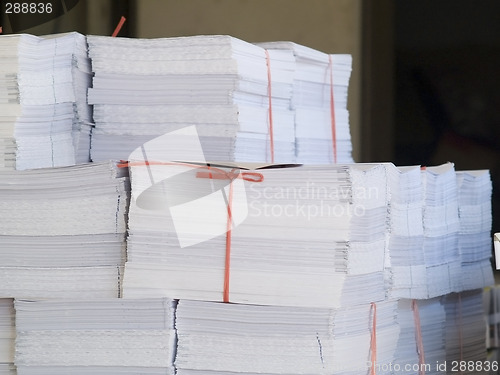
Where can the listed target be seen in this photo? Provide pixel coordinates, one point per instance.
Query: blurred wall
(331, 26)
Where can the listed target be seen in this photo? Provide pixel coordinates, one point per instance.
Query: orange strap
(270, 111)
(460, 326)
(373, 341)
(418, 337)
(213, 172)
(118, 27)
(231, 175)
(220, 174)
(332, 112)
(227, 262)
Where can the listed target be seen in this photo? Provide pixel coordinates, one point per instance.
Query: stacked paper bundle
(441, 226)
(81, 74)
(218, 338)
(465, 329)
(439, 239)
(7, 336)
(99, 337)
(62, 231)
(474, 239)
(405, 266)
(319, 100)
(368, 229)
(292, 235)
(421, 343)
(44, 119)
(236, 95)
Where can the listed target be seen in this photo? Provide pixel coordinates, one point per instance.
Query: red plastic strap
(332, 112)
(218, 174)
(270, 111)
(418, 337)
(227, 262)
(118, 27)
(232, 175)
(213, 172)
(373, 341)
(460, 327)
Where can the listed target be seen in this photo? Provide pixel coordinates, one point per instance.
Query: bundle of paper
(218, 338)
(439, 239)
(278, 236)
(77, 60)
(319, 99)
(456, 204)
(421, 343)
(62, 231)
(441, 226)
(465, 330)
(405, 271)
(7, 336)
(103, 337)
(45, 120)
(236, 95)
(474, 238)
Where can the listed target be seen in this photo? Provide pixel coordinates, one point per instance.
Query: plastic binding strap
(270, 111)
(332, 112)
(418, 337)
(217, 173)
(118, 27)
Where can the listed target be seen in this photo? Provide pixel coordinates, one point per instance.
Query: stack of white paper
(295, 233)
(405, 266)
(474, 239)
(7, 336)
(81, 73)
(441, 226)
(319, 100)
(44, 117)
(465, 329)
(144, 88)
(103, 337)
(62, 231)
(218, 338)
(421, 343)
